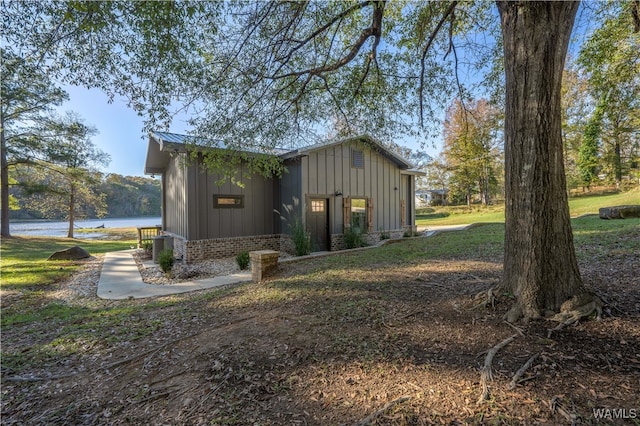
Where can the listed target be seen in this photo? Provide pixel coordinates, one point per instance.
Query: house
(331, 188)
(431, 197)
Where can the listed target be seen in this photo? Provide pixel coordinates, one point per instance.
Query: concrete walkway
(121, 279)
(431, 230)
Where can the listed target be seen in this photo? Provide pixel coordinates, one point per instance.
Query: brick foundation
(371, 238)
(216, 248)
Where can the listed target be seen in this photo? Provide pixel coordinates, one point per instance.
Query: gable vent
(357, 158)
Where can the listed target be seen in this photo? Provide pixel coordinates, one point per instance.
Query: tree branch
(328, 25)
(430, 41)
(375, 30)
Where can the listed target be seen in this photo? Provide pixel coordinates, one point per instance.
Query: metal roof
(174, 142)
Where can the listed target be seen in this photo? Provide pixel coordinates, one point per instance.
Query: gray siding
(290, 190)
(255, 218)
(175, 202)
(328, 170)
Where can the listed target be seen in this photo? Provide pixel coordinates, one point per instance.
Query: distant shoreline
(60, 228)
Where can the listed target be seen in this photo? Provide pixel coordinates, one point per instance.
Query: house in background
(431, 197)
(332, 187)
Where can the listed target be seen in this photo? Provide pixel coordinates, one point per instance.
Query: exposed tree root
(555, 405)
(574, 309)
(487, 299)
(518, 330)
(516, 377)
(486, 373)
(371, 417)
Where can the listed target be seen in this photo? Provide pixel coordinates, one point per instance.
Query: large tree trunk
(4, 183)
(72, 210)
(540, 266)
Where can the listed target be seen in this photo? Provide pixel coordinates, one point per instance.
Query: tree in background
(588, 152)
(611, 60)
(437, 176)
(577, 105)
(471, 149)
(26, 99)
(129, 196)
(64, 176)
(123, 196)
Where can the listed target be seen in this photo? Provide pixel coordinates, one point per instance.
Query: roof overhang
(413, 172)
(159, 152)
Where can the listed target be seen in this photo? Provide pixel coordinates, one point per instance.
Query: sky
(120, 129)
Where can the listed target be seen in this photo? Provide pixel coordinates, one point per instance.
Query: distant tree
(588, 151)
(27, 97)
(471, 149)
(577, 106)
(611, 60)
(128, 196)
(437, 175)
(64, 177)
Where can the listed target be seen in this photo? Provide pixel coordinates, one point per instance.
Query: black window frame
(236, 205)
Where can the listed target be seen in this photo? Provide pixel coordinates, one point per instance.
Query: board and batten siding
(256, 217)
(290, 191)
(325, 171)
(175, 214)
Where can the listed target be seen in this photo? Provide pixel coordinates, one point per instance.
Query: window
(357, 158)
(228, 201)
(317, 206)
(359, 214)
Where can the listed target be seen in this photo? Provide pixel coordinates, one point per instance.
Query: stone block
(72, 253)
(263, 263)
(620, 212)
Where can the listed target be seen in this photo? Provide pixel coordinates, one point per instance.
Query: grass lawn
(333, 340)
(23, 260)
(578, 206)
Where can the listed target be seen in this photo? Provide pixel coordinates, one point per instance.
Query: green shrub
(384, 235)
(242, 259)
(165, 260)
(301, 238)
(147, 246)
(353, 238)
(408, 233)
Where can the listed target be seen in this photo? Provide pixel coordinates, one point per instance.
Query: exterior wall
(202, 231)
(256, 217)
(175, 204)
(290, 191)
(328, 170)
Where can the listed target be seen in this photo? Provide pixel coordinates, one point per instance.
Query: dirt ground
(392, 343)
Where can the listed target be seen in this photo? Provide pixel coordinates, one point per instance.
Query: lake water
(60, 229)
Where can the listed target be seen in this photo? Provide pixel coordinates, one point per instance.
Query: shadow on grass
(329, 341)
